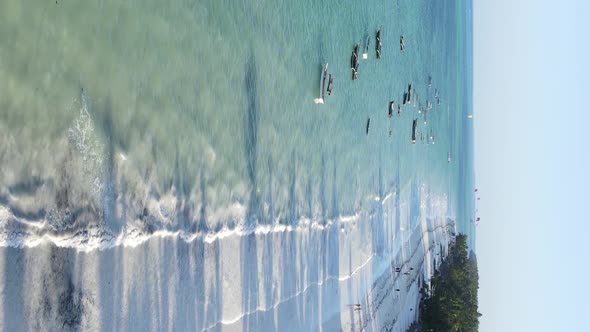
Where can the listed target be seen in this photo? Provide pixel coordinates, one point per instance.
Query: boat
(366, 53)
(323, 75)
(402, 44)
(378, 44)
(368, 123)
(399, 110)
(414, 127)
(354, 61)
(391, 108)
(449, 157)
(429, 80)
(330, 84)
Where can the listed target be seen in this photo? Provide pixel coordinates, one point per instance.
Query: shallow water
(124, 124)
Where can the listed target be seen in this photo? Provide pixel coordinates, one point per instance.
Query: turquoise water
(130, 126)
(127, 102)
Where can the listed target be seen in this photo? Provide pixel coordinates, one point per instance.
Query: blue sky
(532, 128)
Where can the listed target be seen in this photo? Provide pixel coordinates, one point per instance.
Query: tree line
(450, 303)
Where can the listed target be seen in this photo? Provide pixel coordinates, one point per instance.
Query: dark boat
(368, 123)
(378, 44)
(391, 108)
(414, 125)
(330, 84)
(354, 61)
(324, 76)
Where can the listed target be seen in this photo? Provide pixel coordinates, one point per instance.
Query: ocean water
(163, 165)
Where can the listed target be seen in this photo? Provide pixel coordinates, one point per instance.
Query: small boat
(402, 44)
(399, 110)
(354, 61)
(366, 53)
(414, 127)
(368, 123)
(429, 80)
(330, 84)
(323, 75)
(391, 108)
(378, 44)
(449, 157)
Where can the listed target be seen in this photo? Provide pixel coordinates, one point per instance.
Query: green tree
(451, 303)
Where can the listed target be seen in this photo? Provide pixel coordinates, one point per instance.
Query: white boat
(323, 77)
(449, 157)
(366, 53)
(378, 44)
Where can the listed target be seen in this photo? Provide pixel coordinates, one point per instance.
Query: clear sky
(532, 164)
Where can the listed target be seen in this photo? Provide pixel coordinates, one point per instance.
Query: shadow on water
(183, 314)
(249, 272)
(108, 196)
(198, 259)
(214, 299)
(288, 261)
(331, 288)
(13, 279)
(397, 225)
(415, 198)
(110, 267)
(183, 187)
(251, 138)
(323, 201)
(377, 229)
(202, 222)
(248, 247)
(292, 213)
(268, 255)
(271, 207)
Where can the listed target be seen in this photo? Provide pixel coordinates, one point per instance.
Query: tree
(451, 303)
